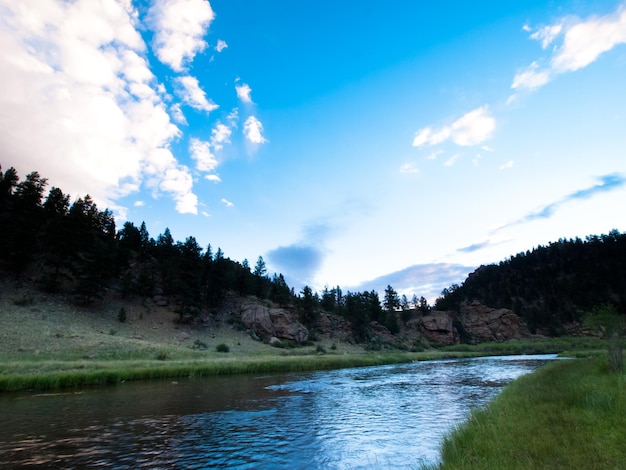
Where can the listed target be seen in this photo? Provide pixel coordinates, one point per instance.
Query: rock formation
(473, 322)
(268, 322)
(483, 323)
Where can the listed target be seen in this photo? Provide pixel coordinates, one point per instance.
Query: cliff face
(473, 323)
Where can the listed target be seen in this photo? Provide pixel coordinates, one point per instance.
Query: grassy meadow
(566, 415)
(46, 343)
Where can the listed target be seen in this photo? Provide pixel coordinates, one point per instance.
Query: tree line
(74, 247)
(550, 285)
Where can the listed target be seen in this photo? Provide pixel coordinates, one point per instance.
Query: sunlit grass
(569, 415)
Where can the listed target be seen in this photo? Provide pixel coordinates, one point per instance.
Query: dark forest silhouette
(73, 247)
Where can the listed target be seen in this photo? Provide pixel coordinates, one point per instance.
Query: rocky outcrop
(268, 322)
(333, 327)
(473, 322)
(483, 323)
(438, 328)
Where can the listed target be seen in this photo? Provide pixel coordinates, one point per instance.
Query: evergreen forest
(74, 248)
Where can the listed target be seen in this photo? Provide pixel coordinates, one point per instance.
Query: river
(373, 417)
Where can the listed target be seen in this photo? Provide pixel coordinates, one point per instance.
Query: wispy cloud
(475, 247)
(226, 202)
(583, 41)
(452, 160)
(434, 155)
(605, 184)
(221, 45)
(507, 165)
(253, 130)
(426, 280)
(473, 128)
(203, 152)
(243, 93)
(179, 27)
(409, 168)
(190, 92)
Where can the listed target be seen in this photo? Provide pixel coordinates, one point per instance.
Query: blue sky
(349, 143)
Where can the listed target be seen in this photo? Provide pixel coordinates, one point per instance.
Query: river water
(373, 417)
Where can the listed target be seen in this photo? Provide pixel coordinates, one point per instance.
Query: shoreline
(49, 375)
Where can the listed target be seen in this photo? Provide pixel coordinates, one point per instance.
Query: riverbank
(569, 414)
(46, 344)
(63, 370)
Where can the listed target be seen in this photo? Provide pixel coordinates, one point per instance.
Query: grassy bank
(572, 346)
(46, 343)
(568, 415)
(58, 374)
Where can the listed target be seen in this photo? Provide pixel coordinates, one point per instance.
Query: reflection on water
(374, 417)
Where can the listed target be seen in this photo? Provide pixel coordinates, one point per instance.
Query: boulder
(269, 322)
(438, 328)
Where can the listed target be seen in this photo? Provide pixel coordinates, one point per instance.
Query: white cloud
(221, 45)
(80, 104)
(583, 41)
(227, 203)
(434, 155)
(253, 130)
(452, 160)
(471, 129)
(508, 164)
(243, 93)
(201, 152)
(546, 34)
(177, 114)
(409, 168)
(191, 93)
(220, 135)
(179, 27)
(233, 117)
(531, 78)
(139, 204)
(476, 159)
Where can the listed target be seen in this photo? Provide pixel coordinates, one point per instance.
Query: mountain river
(372, 417)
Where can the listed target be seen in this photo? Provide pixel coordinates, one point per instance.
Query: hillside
(550, 286)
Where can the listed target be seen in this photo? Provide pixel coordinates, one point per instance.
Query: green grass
(564, 345)
(60, 374)
(46, 343)
(567, 415)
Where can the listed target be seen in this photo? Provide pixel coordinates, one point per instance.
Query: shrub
(163, 356)
(24, 301)
(121, 315)
(223, 348)
(320, 349)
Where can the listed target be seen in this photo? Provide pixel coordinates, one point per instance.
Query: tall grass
(562, 344)
(568, 415)
(50, 375)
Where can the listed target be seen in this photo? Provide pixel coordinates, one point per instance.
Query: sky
(359, 144)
